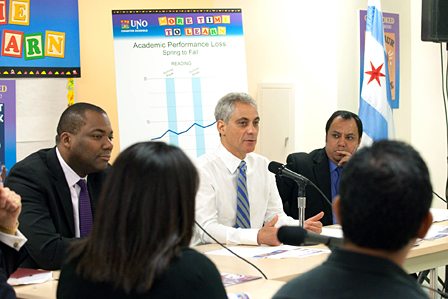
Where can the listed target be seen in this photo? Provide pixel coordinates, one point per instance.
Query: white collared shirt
(216, 199)
(72, 179)
(14, 241)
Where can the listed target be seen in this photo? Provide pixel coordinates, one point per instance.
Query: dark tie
(338, 171)
(242, 206)
(85, 210)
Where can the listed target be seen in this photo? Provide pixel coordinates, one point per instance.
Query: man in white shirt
(233, 180)
(12, 252)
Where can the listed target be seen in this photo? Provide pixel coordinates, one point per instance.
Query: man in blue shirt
(322, 166)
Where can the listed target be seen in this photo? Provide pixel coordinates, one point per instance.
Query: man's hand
(313, 224)
(347, 156)
(3, 173)
(268, 233)
(10, 207)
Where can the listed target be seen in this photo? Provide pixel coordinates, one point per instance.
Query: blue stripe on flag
(374, 124)
(374, 24)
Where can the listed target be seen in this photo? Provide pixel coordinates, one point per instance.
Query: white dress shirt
(14, 241)
(216, 200)
(72, 179)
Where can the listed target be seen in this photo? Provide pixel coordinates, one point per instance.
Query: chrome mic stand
(301, 202)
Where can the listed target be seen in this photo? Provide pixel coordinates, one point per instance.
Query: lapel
(94, 192)
(94, 184)
(63, 192)
(321, 171)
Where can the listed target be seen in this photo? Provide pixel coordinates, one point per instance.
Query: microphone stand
(301, 202)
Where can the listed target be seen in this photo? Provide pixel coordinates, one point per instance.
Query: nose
(342, 142)
(251, 129)
(108, 145)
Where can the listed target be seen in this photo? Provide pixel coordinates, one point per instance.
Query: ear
(66, 139)
(425, 225)
(221, 126)
(359, 141)
(337, 208)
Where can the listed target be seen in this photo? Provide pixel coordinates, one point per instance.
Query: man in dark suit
(12, 251)
(322, 166)
(57, 208)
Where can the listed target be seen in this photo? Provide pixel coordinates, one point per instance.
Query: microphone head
(292, 235)
(275, 167)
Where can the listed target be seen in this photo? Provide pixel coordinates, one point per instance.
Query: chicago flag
(375, 101)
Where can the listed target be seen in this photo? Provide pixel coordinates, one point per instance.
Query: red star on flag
(375, 73)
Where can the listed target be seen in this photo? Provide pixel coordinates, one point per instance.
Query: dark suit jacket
(315, 167)
(10, 260)
(47, 213)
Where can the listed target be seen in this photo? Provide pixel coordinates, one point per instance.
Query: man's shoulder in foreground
(353, 275)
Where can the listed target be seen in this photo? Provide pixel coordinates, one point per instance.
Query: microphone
(296, 235)
(280, 169)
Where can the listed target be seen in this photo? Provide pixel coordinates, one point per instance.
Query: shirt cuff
(247, 236)
(16, 241)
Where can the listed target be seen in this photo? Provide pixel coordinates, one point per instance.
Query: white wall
(428, 129)
(294, 41)
(315, 44)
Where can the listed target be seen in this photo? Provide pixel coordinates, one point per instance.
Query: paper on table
(439, 215)
(334, 231)
(274, 252)
(29, 276)
(229, 279)
(300, 252)
(436, 232)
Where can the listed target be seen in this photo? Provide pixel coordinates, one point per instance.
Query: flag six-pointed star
(375, 73)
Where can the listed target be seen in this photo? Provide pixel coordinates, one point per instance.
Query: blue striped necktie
(242, 206)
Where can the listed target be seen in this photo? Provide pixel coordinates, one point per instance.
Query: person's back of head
(145, 213)
(385, 194)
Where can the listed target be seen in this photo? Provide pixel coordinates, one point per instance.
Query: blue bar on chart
(171, 109)
(198, 116)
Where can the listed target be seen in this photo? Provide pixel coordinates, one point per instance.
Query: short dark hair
(385, 194)
(145, 213)
(345, 115)
(72, 119)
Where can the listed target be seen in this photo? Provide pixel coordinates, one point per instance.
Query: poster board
(39, 39)
(172, 66)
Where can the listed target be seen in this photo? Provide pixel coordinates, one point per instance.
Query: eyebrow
(337, 132)
(101, 131)
(245, 118)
